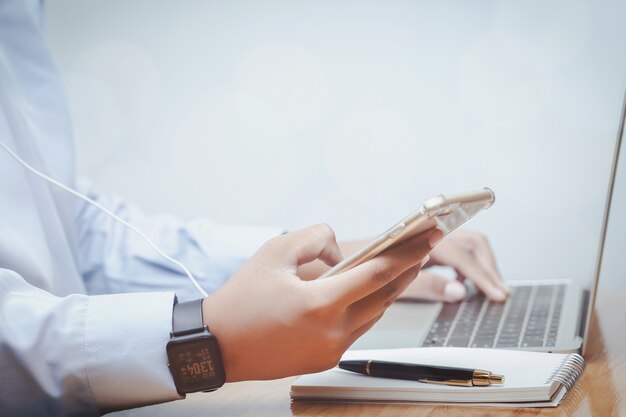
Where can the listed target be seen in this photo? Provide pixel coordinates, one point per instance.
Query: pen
(462, 377)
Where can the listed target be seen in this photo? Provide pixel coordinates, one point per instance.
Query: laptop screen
(605, 222)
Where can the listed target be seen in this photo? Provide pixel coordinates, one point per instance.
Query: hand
(470, 255)
(270, 323)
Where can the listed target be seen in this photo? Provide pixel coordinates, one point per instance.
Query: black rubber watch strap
(187, 318)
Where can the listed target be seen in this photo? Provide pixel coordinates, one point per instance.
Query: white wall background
(353, 112)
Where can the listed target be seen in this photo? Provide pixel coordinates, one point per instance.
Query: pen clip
(454, 382)
(480, 378)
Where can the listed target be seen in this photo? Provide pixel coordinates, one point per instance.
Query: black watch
(194, 356)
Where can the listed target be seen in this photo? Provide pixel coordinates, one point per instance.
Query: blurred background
(351, 113)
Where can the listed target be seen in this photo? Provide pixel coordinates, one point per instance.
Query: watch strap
(187, 318)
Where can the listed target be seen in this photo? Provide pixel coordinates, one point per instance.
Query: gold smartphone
(445, 213)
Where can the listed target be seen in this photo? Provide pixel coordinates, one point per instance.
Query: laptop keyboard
(529, 318)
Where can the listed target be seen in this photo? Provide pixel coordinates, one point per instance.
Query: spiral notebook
(532, 379)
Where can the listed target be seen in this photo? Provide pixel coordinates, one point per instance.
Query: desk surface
(600, 392)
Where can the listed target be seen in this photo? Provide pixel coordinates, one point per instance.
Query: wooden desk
(599, 393)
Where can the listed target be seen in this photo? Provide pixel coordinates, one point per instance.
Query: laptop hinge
(582, 322)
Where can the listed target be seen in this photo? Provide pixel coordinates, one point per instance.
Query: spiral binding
(568, 373)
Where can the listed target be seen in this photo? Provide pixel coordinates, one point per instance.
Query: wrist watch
(194, 356)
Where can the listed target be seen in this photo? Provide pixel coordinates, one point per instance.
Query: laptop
(542, 315)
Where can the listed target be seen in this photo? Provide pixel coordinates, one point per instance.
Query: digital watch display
(194, 355)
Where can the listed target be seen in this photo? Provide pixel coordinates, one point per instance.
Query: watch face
(196, 363)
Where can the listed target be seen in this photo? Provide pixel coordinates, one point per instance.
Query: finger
(458, 252)
(363, 329)
(371, 306)
(306, 245)
(430, 286)
(364, 279)
(468, 266)
(484, 255)
(479, 247)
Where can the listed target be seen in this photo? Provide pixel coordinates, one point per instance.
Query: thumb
(430, 286)
(306, 245)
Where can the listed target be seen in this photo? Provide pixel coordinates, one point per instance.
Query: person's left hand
(471, 257)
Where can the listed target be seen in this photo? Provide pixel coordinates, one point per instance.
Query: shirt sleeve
(79, 354)
(114, 259)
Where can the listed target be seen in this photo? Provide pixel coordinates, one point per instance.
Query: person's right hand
(269, 323)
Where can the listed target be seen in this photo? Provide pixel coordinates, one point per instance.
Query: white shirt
(63, 351)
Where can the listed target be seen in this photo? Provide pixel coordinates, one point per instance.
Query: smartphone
(445, 213)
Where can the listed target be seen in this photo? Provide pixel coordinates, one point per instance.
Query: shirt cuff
(126, 361)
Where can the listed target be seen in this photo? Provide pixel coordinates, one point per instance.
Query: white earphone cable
(108, 212)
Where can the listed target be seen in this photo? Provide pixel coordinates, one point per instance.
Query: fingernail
(435, 238)
(499, 294)
(425, 260)
(454, 291)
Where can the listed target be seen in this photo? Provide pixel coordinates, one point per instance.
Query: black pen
(424, 373)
